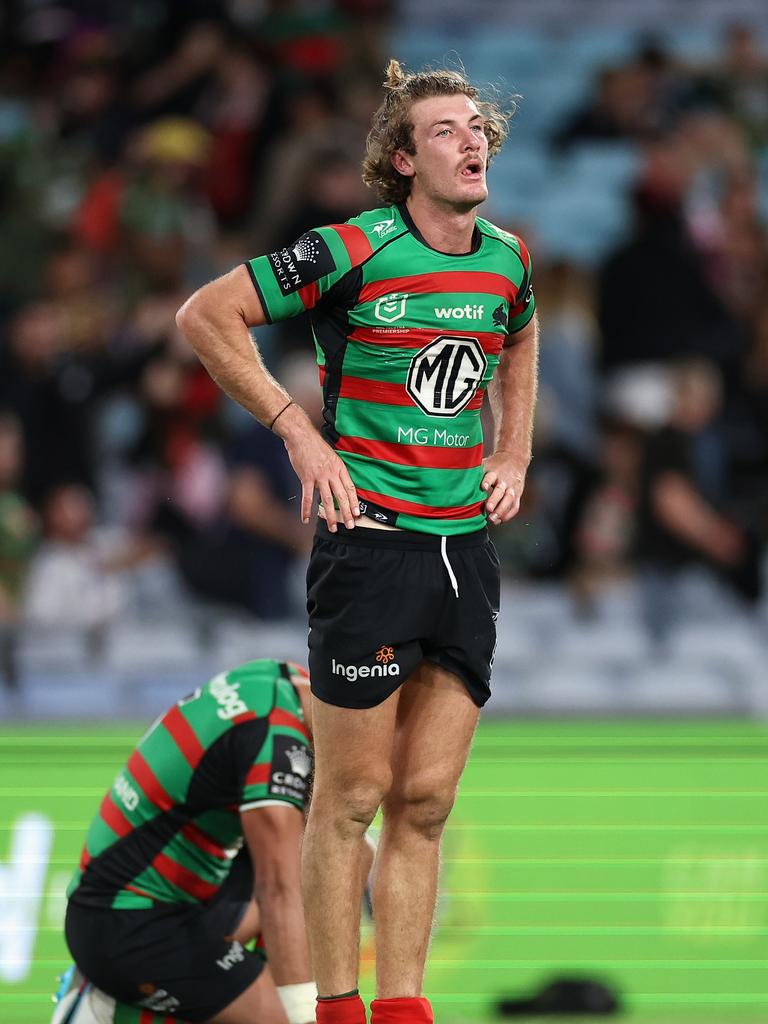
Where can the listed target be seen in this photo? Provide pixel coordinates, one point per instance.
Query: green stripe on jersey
(376, 475)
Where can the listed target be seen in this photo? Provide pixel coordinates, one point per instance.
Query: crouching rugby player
(162, 902)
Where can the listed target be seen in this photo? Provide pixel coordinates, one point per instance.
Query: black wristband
(274, 421)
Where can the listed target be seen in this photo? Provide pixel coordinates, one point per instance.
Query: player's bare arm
(512, 394)
(273, 835)
(216, 320)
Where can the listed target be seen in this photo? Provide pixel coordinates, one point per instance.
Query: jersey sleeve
(281, 771)
(294, 279)
(525, 306)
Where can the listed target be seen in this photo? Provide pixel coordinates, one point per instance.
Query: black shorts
(174, 959)
(381, 601)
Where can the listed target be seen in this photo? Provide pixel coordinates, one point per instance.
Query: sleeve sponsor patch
(291, 768)
(302, 263)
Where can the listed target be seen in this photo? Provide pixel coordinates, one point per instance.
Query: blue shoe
(72, 987)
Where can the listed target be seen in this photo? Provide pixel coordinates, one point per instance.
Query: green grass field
(631, 852)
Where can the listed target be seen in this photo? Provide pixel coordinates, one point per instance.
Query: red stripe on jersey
(148, 781)
(258, 774)
(183, 735)
(278, 716)
(413, 508)
(183, 878)
(309, 295)
(202, 841)
(85, 859)
(423, 455)
(355, 242)
(417, 337)
(147, 1017)
(385, 392)
(139, 892)
(245, 716)
(470, 282)
(114, 817)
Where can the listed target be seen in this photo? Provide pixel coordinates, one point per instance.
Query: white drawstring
(448, 566)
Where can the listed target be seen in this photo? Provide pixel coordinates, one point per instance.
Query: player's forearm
(223, 343)
(284, 931)
(512, 394)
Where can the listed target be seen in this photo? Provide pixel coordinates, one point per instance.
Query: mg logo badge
(390, 308)
(444, 375)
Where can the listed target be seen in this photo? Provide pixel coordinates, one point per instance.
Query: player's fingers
(495, 496)
(326, 496)
(345, 509)
(351, 490)
(307, 494)
(507, 507)
(489, 479)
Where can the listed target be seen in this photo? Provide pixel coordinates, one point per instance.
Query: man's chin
(472, 195)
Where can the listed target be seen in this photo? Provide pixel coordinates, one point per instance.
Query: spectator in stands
(679, 523)
(249, 557)
(621, 109)
(605, 523)
(18, 538)
(655, 301)
(164, 214)
(76, 579)
(738, 85)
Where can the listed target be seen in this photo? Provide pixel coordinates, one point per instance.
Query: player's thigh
(259, 1004)
(352, 746)
(436, 720)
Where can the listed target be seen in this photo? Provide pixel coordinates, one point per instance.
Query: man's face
(451, 152)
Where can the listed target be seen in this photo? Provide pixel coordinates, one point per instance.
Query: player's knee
(352, 807)
(422, 809)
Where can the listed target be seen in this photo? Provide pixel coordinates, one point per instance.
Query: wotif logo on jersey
(471, 311)
(390, 307)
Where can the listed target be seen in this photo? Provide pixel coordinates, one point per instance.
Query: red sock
(341, 1010)
(414, 1010)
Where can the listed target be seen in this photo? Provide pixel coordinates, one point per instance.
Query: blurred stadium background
(613, 823)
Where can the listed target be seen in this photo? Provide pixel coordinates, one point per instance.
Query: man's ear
(403, 163)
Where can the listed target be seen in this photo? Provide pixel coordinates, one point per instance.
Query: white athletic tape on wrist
(299, 1001)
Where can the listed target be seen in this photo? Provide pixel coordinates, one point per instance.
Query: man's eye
(444, 131)
(478, 128)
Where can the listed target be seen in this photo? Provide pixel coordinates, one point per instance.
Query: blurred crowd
(652, 440)
(145, 148)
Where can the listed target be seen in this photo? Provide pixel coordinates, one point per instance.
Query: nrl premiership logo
(390, 307)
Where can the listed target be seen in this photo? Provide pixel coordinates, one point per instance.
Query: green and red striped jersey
(407, 340)
(169, 827)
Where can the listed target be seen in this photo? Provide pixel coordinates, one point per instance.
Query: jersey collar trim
(477, 238)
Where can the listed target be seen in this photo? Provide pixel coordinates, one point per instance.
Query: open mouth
(473, 170)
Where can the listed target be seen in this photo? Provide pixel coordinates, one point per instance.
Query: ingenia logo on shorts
(385, 666)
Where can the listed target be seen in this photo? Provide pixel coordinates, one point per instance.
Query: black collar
(410, 224)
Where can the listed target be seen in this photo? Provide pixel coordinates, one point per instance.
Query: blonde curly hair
(392, 128)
